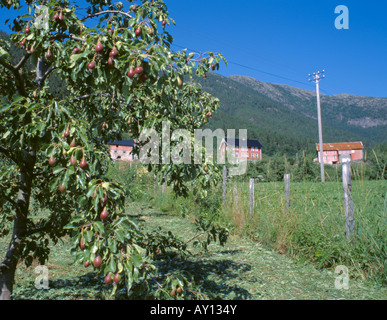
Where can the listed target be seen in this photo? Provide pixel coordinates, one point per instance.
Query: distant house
(252, 151)
(332, 151)
(121, 150)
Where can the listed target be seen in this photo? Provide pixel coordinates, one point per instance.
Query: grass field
(288, 245)
(243, 269)
(314, 226)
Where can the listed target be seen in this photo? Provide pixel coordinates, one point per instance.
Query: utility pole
(315, 77)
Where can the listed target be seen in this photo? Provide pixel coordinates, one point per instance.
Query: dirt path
(246, 270)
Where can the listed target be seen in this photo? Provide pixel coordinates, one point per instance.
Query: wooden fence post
(164, 184)
(348, 202)
(251, 187)
(235, 194)
(287, 190)
(224, 183)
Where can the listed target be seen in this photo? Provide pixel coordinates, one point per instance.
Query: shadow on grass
(215, 277)
(88, 286)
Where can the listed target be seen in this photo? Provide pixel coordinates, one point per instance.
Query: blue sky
(281, 41)
(290, 39)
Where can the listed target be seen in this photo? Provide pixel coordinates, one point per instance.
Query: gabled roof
(250, 143)
(340, 146)
(122, 142)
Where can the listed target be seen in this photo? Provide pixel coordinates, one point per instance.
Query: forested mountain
(284, 118)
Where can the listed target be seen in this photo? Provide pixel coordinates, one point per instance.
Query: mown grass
(313, 228)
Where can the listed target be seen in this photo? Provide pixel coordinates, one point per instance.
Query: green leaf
(94, 248)
(4, 53)
(137, 260)
(112, 265)
(58, 169)
(120, 236)
(91, 191)
(5, 108)
(99, 226)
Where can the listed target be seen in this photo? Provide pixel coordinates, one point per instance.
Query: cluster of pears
(73, 161)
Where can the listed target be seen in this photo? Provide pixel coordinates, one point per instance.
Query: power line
(251, 68)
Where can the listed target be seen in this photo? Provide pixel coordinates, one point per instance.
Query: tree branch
(52, 68)
(67, 36)
(107, 11)
(16, 73)
(42, 73)
(22, 61)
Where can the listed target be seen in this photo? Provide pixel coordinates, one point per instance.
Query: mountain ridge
(284, 118)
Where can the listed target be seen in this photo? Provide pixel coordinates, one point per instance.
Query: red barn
(332, 151)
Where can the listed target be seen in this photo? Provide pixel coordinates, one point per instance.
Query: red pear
(108, 278)
(113, 52)
(144, 76)
(104, 214)
(73, 161)
(82, 244)
(116, 278)
(73, 144)
(97, 261)
(138, 70)
(99, 47)
(110, 62)
(91, 65)
(66, 133)
(51, 161)
(83, 163)
(131, 73)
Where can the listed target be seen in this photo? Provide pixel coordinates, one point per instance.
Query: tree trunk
(8, 265)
